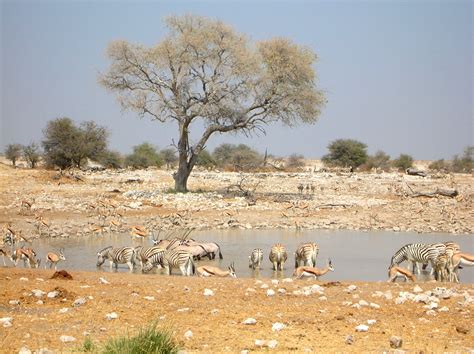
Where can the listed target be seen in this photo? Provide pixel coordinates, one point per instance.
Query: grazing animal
(211, 248)
(28, 255)
(306, 253)
(181, 259)
(278, 256)
(210, 271)
(153, 258)
(304, 271)
(116, 256)
(416, 253)
(458, 260)
(256, 258)
(53, 258)
(142, 254)
(395, 272)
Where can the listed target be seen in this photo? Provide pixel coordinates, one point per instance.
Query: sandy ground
(319, 321)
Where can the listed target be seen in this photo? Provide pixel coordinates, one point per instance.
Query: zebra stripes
(278, 256)
(116, 256)
(306, 254)
(417, 253)
(144, 254)
(256, 258)
(181, 259)
(154, 259)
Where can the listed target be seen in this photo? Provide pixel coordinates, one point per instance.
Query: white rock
(417, 289)
(24, 350)
(275, 281)
(208, 292)
(272, 344)
(66, 339)
(79, 302)
(371, 322)
(188, 334)
(443, 309)
(346, 303)
(39, 279)
(374, 305)
(287, 280)
(431, 306)
(111, 316)
(357, 306)
(278, 326)
(149, 298)
(282, 291)
(39, 302)
(270, 292)
(103, 281)
(264, 286)
(252, 290)
(362, 328)
(400, 300)
(431, 312)
(184, 309)
(14, 302)
(421, 298)
(53, 294)
(23, 279)
(351, 288)
(38, 293)
(322, 298)
(63, 310)
(260, 342)
(363, 303)
(6, 321)
(214, 311)
(249, 321)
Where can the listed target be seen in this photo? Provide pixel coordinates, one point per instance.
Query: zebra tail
(220, 254)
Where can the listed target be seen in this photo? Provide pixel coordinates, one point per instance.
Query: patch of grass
(170, 191)
(88, 346)
(148, 340)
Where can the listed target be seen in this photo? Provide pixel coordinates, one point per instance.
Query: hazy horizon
(397, 75)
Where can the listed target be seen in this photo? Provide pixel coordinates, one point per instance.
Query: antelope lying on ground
(312, 271)
(53, 258)
(396, 271)
(210, 271)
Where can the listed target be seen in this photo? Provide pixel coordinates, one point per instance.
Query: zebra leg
(130, 266)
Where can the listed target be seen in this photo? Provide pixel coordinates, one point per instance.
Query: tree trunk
(181, 178)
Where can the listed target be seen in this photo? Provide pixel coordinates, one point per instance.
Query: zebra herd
(445, 259)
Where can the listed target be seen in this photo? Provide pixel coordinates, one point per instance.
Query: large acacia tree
(204, 70)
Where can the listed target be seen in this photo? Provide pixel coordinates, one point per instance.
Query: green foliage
(169, 157)
(295, 161)
(148, 340)
(31, 154)
(111, 159)
(13, 152)
(88, 346)
(205, 159)
(144, 155)
(345, 153)
(465, 163)
(403, 162)
(379, 160)
(66, 144)
(439, 165)
(238, 157)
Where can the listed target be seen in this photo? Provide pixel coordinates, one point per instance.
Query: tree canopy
(346, 153)
(13, 152)
(204, 70)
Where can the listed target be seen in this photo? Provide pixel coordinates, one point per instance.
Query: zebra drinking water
(416, 253)
(256, 258)
(278, 256)
(155, 258)
(306, 253)
(117, 256)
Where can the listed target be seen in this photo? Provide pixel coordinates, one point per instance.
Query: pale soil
(311, 323)
(340, 200)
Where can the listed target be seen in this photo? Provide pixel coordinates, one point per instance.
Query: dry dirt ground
(75, 204)
(318, 321)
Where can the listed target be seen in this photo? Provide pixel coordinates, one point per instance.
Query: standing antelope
(312, 271)
(210, 271)
(395, 272)
(28, 255)
(306, 253)
(256, 258)
(53, 258)
(460, 259)
(278, 256)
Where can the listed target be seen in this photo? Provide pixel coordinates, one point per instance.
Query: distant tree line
(66, 144)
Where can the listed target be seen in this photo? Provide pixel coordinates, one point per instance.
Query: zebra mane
(103, 251)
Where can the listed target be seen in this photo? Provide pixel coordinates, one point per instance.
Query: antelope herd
(445, 259)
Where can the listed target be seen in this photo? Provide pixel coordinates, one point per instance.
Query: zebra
(117, 256)
(278, 256)
(155, 258)
(443, 247)
(181, 259)
(256, 258)
(441, 267)
(414, 253)
(142, 254)
(306, 253)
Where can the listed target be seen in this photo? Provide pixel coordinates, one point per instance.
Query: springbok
(396, 271)
(53, 258)
(138, 231)
(312, 271)
(463, 260)
(4, 252)
(28, 255)
(211, 271)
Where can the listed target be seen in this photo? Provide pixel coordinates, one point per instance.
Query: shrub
(379, 160)
(148, 340)
(31, 154)
(345, 153)
(144, 155)
(403, 162)
(295, 161)
(465, 163)
(111, 159)
(169, 157)
(205, 159)
(238, 157)
(439, 165)
(13, 152)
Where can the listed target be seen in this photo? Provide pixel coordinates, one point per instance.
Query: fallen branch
(324, 206)
(451, 193)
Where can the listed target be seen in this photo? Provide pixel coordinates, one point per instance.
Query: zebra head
(147, 266)
(232, 270)
(102, 255)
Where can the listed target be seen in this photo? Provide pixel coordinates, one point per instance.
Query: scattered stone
(23, 279)
(349, 339)
(214, 311)
(149, 298)
(14, 302)
(363, 303)
(396, 342)
(287, 280)
(103, 281)
(431, 312)
(249, 321)
(260, 342)
(63, 310)
(264, 286)
(443, 309)
(208, 292)
(79, 302)
(38, 293)
(272, 344)
(188, 334)
(362, 328)
(282, 291)
(184, 309)
(371, 322)
(351, 288)
(53, 294)
(417, 289)
(322, 298)
(6, 321)
(24, 350)
(111, 316)
(278, 326)
(270, 292)
(462, 330)
(67, 339)
(374, 305)
(275, 281)
(39, 302)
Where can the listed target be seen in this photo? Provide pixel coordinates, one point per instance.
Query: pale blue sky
(398, 74)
